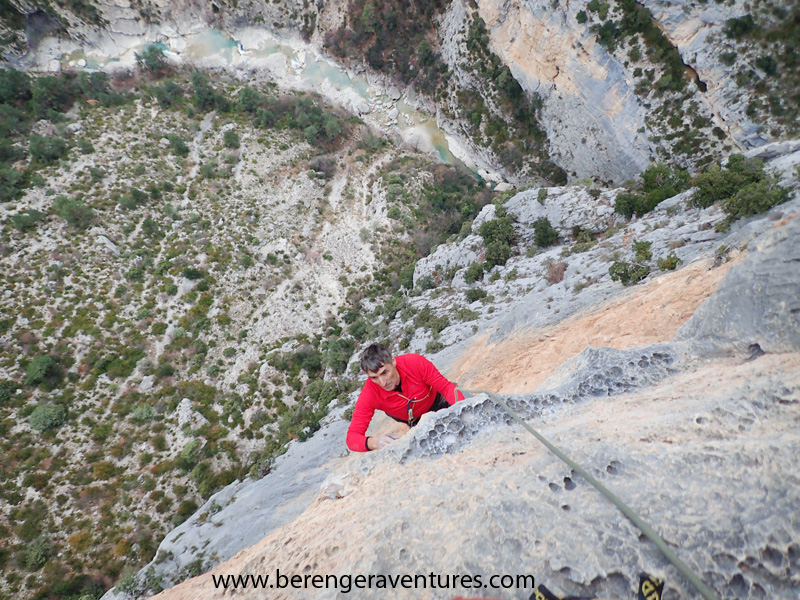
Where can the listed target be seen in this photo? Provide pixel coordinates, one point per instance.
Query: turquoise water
(212, 43)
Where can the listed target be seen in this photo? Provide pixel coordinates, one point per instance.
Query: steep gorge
(182, 315)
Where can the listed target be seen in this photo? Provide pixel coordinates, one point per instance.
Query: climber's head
(380, 366)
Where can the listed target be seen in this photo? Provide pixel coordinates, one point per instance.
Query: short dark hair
(374, 357)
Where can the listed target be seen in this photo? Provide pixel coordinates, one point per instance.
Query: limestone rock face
(692, 28)
(696, 435)
(757, 307)
(595, 124)
(565, 208)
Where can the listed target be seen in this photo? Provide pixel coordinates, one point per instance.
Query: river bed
(296, 65)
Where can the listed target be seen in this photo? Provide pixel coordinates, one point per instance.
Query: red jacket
(419, 380)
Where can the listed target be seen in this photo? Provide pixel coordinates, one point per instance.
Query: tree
(332, 126)
(231, 139)
(52, 93)
(249, 100)
(74, 212)
(15, 86)
(151, 59)
(11, 182)
(368, 17)
(545, 234)
(204, 94)
(47, 149)
(39, 368)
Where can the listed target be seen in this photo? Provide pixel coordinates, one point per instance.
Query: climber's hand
(376, 443)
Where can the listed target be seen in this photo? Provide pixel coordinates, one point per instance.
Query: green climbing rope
(701, 587)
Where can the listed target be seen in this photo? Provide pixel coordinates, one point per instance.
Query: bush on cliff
(742, 186)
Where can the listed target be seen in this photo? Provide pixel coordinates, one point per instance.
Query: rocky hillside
(589, 89)
(209, 208)
(683, 425)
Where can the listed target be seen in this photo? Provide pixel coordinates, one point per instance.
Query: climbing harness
(701, 587)
(411, 403)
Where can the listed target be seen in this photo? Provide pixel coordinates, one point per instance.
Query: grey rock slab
(757, 305)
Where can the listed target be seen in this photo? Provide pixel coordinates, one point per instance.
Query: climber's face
(387, 376)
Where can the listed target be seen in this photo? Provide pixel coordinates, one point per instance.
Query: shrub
(47, 416)
(742, 186)
(739, 27)
(12, 121)
(767, 64)
(151, 59)
(670, 263)
(541, 196)
(433, 347)
(143, 414)
(15, 86)
(475, 294)
(52, 93)
(642, 252)
(7, 390)
(27, 220)
(185, 510)
(37, 553)
(498, 235)
(755, 199)
(11, 183)
(205, 96)
(168, 94)
(659, 176)
(85, 146)
(179, 147)
(231, 139)
(193, 274)
(659, 182)
(544, 233)
(39, 368)
(74, 212)
(249, 100)
(474, 272)
(497, 253)
(164, 369)
(426, 282)
(46, 150)
(627, 273)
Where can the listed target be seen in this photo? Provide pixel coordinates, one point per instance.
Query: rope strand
(701, 587)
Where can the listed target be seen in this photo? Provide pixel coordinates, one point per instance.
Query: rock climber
(405, 387)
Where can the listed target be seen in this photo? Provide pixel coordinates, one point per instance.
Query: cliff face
(673, 392)
(594, 121)
(199, 325)
(610, 99)
(696, 434)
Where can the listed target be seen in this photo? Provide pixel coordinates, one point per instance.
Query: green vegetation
(152, 59)
(669, 263)
(27, 220)
(544, 232)
(658, 182)
(742, 186)
(498, 236)
(768, 37)
(39, 369)
(636, 21)
(397, 38)
(73, 211)
(47, 416)
(628, 273)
